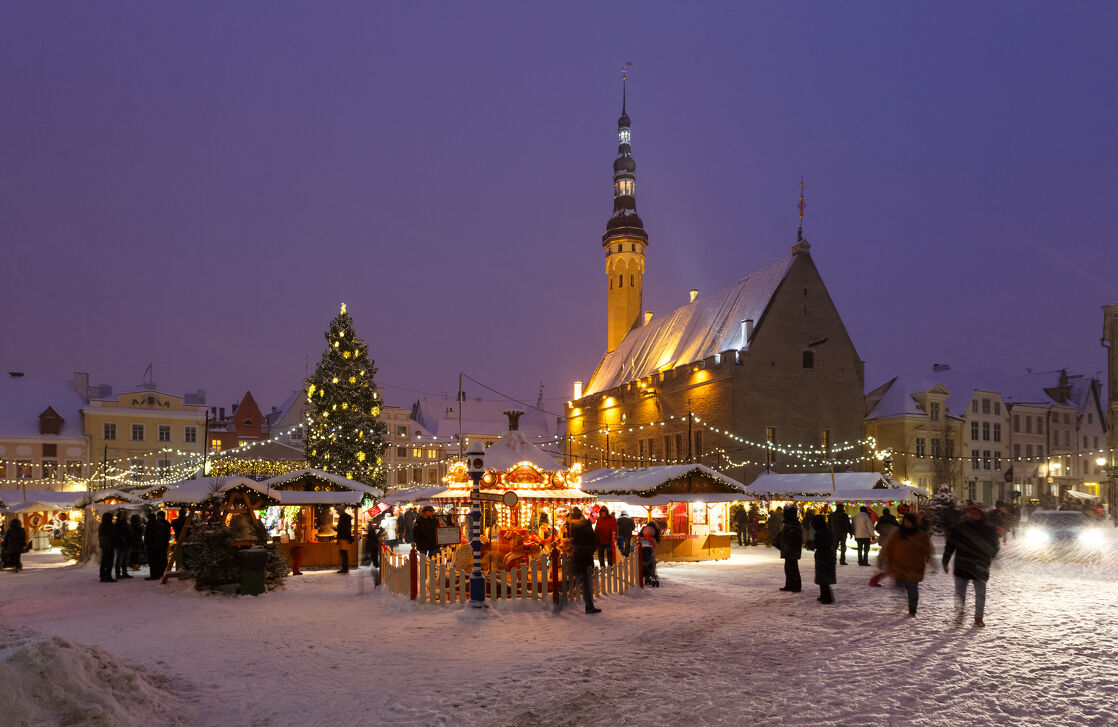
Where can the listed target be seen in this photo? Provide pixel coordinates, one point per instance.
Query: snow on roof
(51, 500)
(820, 483)
(278, 481)
(412, 494)
(24, 398)
(193, 492)
(644, 479)
(512, 448)
(275, 417)
(708, 325)
(482, 416)
(708, 498)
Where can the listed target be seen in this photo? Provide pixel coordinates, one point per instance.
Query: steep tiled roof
(708, 325)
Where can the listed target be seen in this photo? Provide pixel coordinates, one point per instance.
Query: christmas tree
(944, 510)
(344, 433)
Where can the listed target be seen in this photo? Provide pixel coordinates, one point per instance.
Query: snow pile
(46, 680)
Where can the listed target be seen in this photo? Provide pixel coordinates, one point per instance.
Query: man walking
(106, 538)
(157, 535)
(345, 537)
(863, 532)
(790, 542)
(974, 543)
(426, 532)
(583, 544)
(840, 529)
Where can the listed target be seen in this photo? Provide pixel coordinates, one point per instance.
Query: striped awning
(538, 497)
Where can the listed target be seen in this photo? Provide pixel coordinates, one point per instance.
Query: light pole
(475, 467)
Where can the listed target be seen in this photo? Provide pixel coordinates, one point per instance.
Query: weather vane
(625, 70)
(801, 205)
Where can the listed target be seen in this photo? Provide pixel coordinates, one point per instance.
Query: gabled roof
(645, 479)
(24, 398)
(708, 325)
(481, 416)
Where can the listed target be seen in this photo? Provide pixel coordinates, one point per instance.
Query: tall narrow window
(632, 281)
(921, 447)
(620, 281)
(809, 359)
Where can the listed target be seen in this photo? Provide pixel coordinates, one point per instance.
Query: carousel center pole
(475, 467)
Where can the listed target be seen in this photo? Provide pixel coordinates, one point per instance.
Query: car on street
(1063, 533)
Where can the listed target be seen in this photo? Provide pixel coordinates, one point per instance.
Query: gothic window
(620, 281)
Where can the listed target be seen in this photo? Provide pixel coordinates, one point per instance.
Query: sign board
(377, 509)
(448, 535)
(509, 498)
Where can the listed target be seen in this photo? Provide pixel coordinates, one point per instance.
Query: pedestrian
(345, 537)
(975, 545)
(136, 553)
(157, 537)
(583, 544)
(649, 536)
(885, 525)
(605, 530)
(862, 526)
(15, 540)
(790, 542)
(774, 524)
(625, 528)
(545, 531)
(425, 532)
(178, 524)
(405, 527)
(739, 521)
(374, 537)
(824, 545)
(122, 544)
(809, 531)
(906, 553)
(753, 523)
(106, 539)
(841, 529)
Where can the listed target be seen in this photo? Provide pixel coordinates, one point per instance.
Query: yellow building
(144, 435)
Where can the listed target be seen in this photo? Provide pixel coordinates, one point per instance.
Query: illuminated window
(417, 453)
(623, 188)
(50, 469)
(164, 433)
(73, 468)
(432, 454)
(215, 445)
(108, 430)
(623, 136)
(137, 432)
(190, 434)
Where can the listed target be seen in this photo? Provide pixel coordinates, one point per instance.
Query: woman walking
(907, 552)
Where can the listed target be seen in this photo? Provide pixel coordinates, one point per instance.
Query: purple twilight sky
(199, 185)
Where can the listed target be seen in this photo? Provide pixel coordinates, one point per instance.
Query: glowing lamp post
(475, 467)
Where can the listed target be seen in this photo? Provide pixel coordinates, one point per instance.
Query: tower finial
(624, 77)
(801, 244)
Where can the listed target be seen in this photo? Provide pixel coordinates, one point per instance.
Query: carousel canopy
(844, 487)
(535, 496)
(513, 448)
(650, 480)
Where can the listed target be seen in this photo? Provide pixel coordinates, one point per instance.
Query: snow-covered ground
(716, 644)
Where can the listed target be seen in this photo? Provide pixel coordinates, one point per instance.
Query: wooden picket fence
(548, 577)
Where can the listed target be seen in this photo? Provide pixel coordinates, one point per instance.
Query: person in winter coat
(753, 525)
(774, 525)
(625, 528)
(809, 531)
(122, 543)
(824, 545)
(583, 543)
(862, 525)
(15, 540)
(886, 524)
(106, 539)
(605, 530)
(157, 537)
(405, 526)
(790, 542)
(841, 529)
(374, 537)
(136, 553)
(425, 532)
(649, 537)
(345, 537)
(975, 545)
(906, 552)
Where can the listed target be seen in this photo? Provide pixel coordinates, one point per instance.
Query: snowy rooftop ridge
(643, 479)
(708, 325)
(824, 483)
(481, 416)
(513, 448)
(24, 398)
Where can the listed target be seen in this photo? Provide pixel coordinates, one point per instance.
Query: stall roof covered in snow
(412, 494)
(853, 486)
(286, 480)
(39, 500)
(193, 492)
(710, 324)
(513, 448)
(645, 479)
(24, 398)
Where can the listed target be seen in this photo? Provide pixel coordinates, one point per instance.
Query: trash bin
(253, 562)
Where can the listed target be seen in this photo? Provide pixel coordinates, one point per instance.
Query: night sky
(200, 185)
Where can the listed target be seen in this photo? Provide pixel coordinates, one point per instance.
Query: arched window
(809, 359)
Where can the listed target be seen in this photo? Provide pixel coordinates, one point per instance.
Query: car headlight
(1037, 535)
(1091, 537)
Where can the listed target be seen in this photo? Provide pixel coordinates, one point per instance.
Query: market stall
(689, 502)
(48, 515)
(845, 488)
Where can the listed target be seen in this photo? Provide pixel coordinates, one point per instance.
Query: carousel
(526, 495)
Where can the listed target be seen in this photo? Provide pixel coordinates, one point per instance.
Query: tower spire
(625, 238)
(801, 244)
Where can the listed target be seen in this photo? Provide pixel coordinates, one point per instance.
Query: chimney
(81, 385)
(274, 410)
(578, 387)
(694, 294)
(221, 413)
(647, 316)
(746, 332)
(233, 410)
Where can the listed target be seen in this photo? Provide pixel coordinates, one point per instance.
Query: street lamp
(475, 467)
